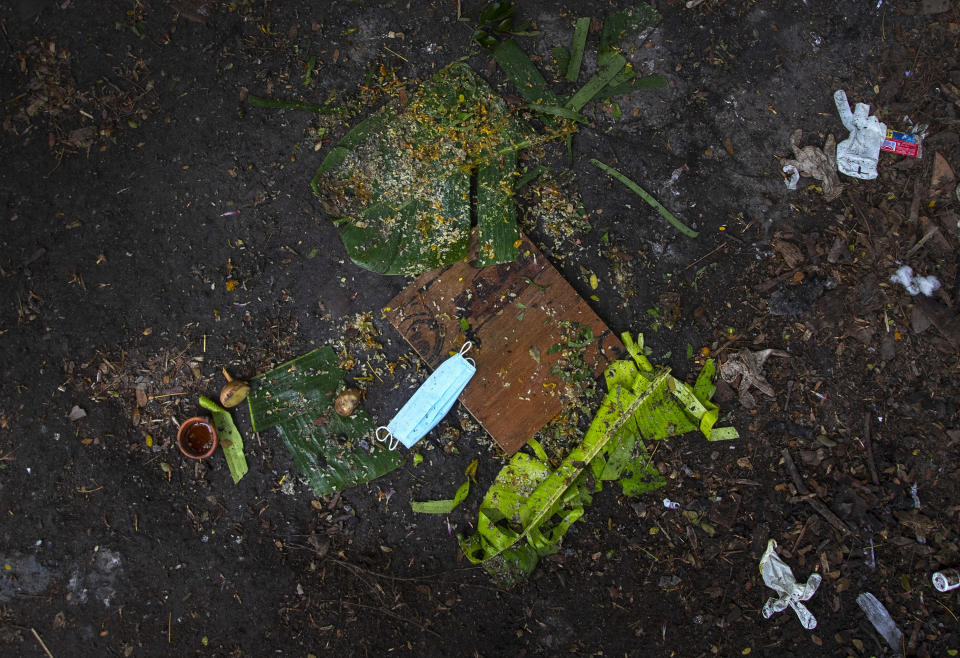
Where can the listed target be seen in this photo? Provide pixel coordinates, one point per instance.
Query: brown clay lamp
(197, 437)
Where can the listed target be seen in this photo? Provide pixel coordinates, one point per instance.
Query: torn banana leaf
(528, 509)
(231, 442)
(398, 184)
(332, 452)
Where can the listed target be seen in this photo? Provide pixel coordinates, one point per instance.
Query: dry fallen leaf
(942, 175)
(790, 252)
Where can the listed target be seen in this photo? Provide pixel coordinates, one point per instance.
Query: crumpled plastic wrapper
(812, 161)
(748, 366)
(779, 577)
(857, 155)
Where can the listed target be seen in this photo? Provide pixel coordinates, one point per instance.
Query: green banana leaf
(398, 184)
(332, 452)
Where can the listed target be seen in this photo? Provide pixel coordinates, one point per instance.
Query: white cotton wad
(915, 285)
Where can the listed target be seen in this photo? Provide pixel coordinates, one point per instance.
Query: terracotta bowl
(197, 437)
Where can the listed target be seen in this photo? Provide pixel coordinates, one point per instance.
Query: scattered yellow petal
(147, 331)
(594, 281)
(746, 651)
(149, 440)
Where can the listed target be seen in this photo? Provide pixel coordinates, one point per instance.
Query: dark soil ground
(137, 184)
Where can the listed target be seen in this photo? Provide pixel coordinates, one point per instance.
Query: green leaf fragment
(643, 194)
(308, 76)
(442, 506)
(620, 24)
(332, 452)
(523, 74)
(580, 30)
(231, 441)
(561, 59)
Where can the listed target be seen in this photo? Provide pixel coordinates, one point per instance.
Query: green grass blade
(639, 191)
(635, 84)
(522, 73)
(277, 104)
(562, 112)
(580, 30)
(442, 506)
(596, 83)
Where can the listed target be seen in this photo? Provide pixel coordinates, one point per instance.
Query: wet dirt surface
(156, 228)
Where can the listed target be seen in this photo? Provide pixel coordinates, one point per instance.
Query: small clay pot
(197, 437)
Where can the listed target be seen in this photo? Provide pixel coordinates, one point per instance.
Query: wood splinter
(817, 504)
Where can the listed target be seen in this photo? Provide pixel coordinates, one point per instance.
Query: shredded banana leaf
(332, 452)
(530, 506)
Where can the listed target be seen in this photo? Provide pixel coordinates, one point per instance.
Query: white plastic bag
(857, 155)
(779, 577)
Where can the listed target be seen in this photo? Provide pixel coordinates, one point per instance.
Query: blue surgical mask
(432, 401)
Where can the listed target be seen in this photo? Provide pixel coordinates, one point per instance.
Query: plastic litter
(670, 504)
(812, 161)
(881, 620)
(907, 144)
(946, 580)
(791, 171)
(779, 577)
(857, 155)
(915, 284)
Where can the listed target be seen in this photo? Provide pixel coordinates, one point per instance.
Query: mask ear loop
(394, 441)
(464, 349)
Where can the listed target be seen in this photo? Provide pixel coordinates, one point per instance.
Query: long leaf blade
(643, 194)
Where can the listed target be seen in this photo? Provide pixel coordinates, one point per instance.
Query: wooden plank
(514, 312)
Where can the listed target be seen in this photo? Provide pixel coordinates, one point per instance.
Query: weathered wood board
(514, 312)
